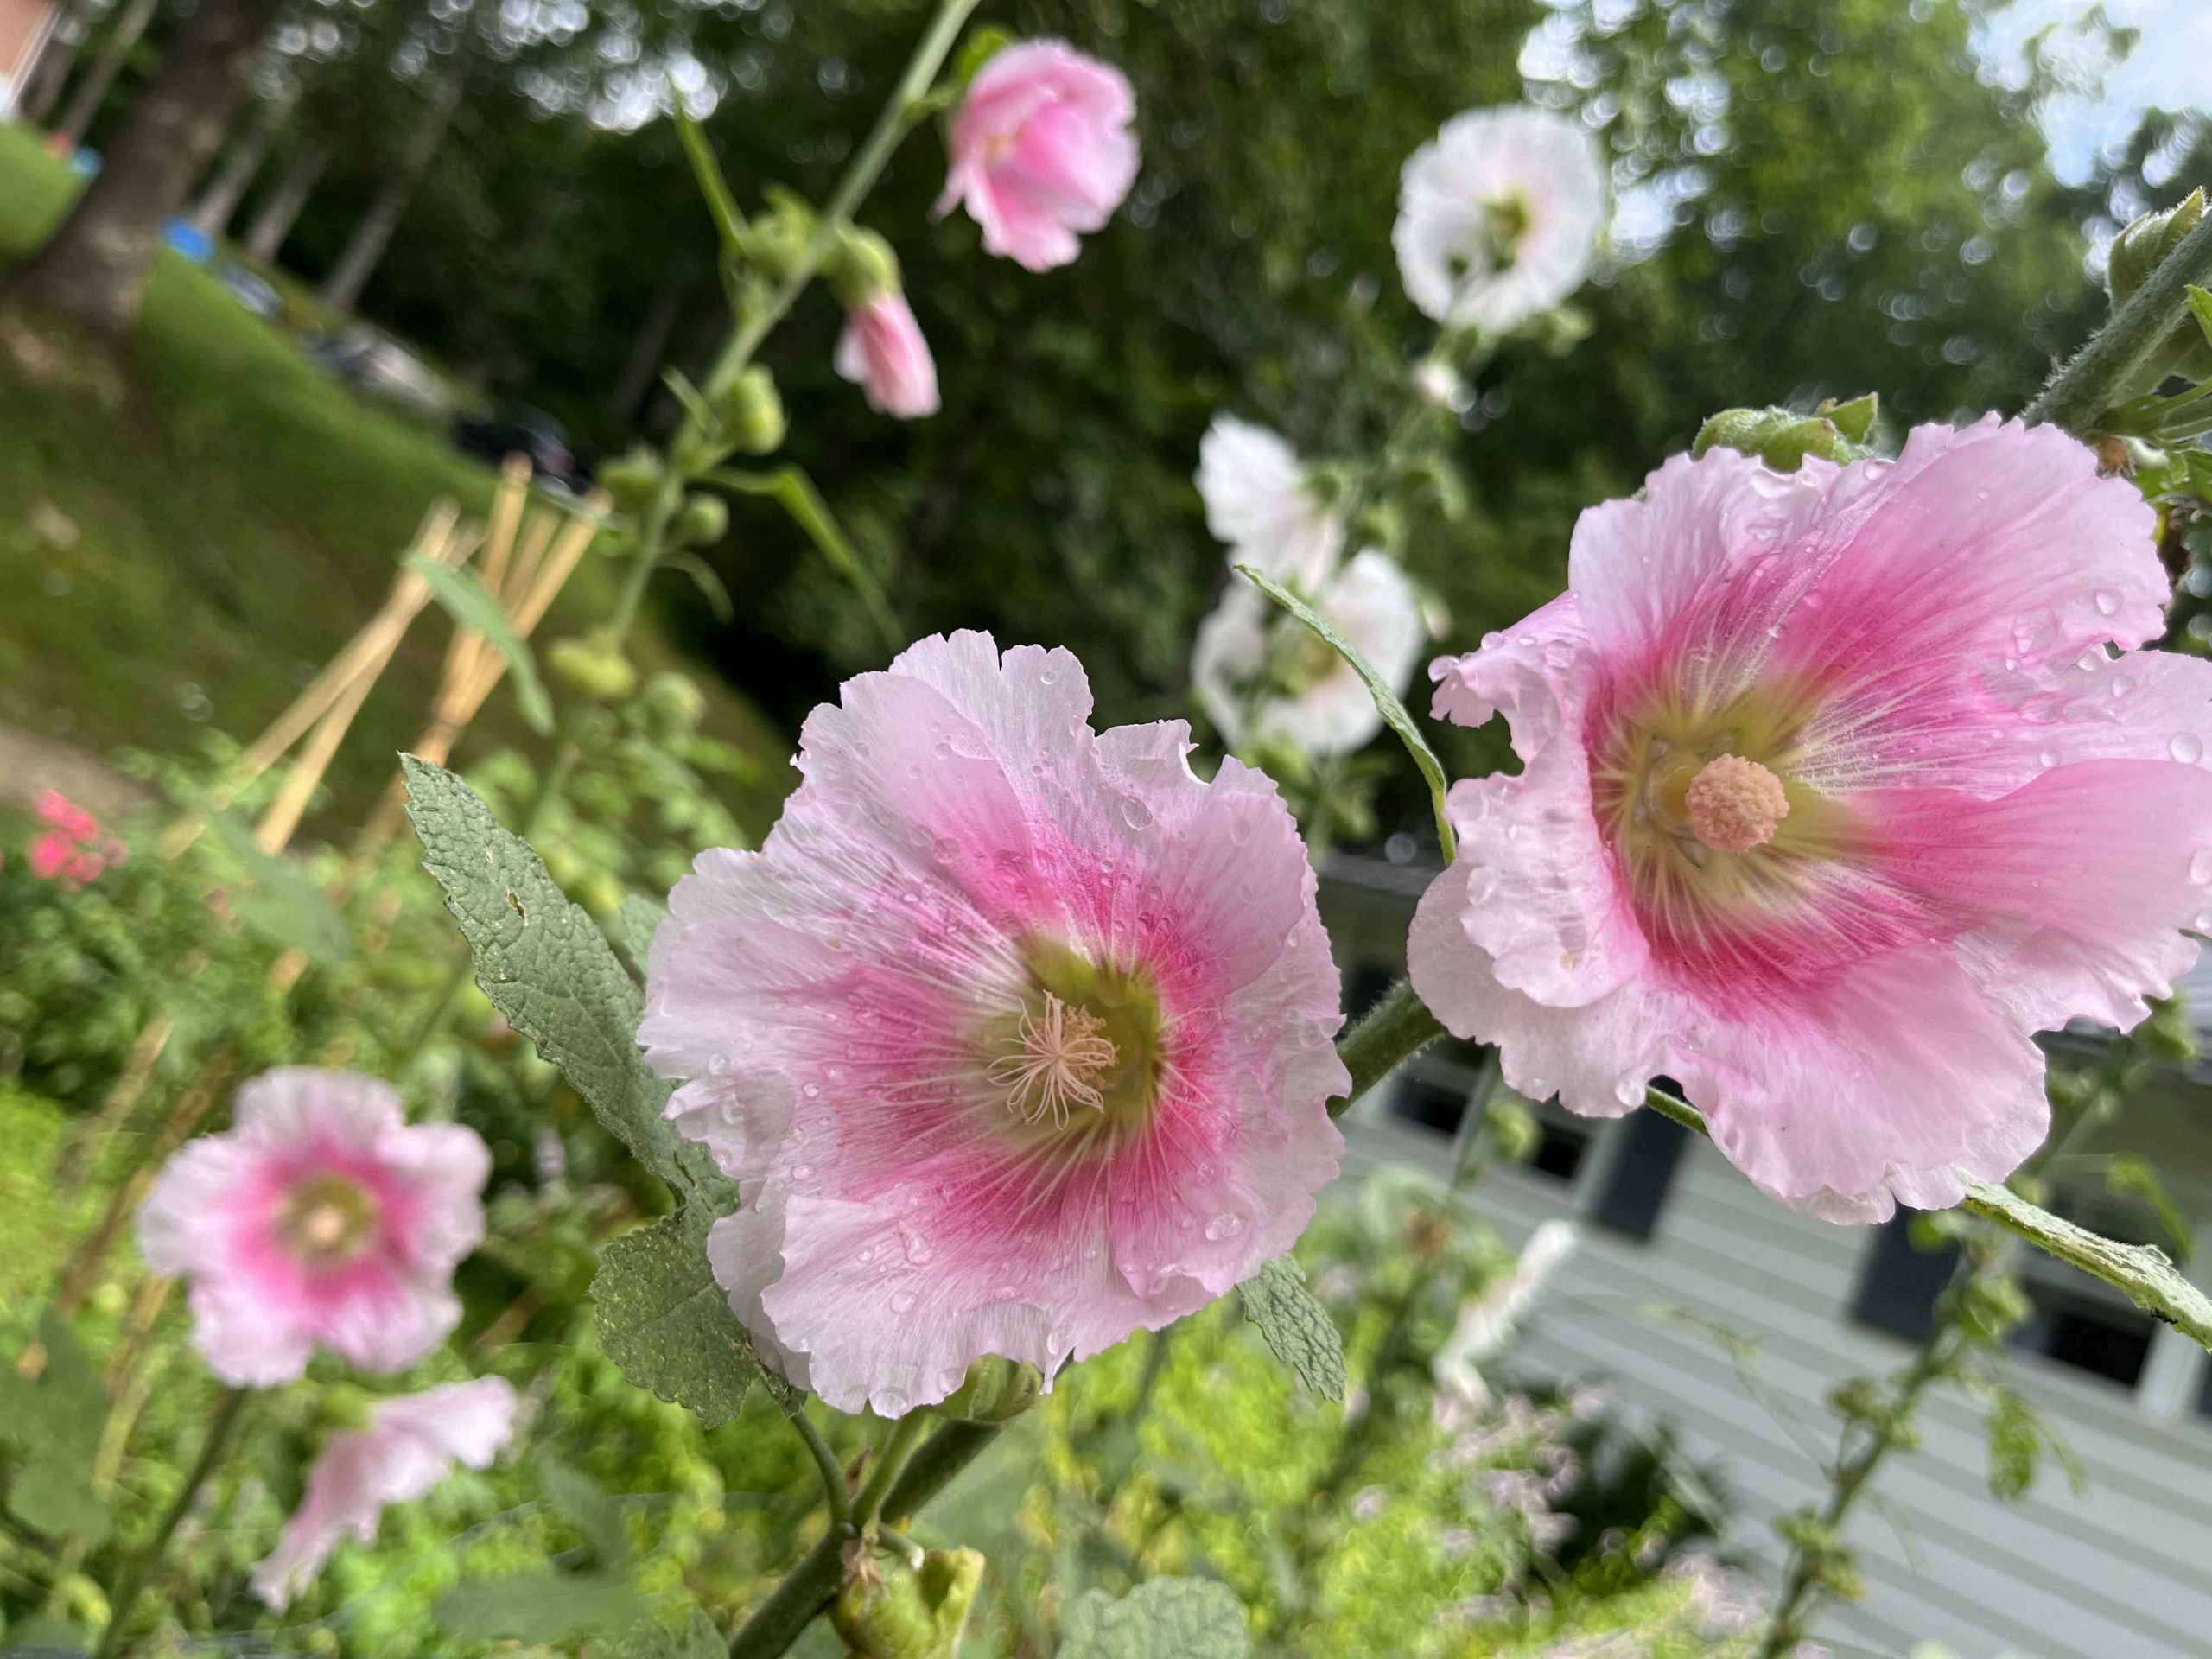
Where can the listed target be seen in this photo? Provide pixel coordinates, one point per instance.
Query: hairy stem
(2101, 370)
(1399, 1026)
(132, 1579)
(825, 1462)
(809, 1586)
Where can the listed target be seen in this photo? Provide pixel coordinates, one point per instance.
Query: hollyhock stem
(220, 1427)
(2080, 392)
(825, 1460)
(1397, 1027)
(809, 1587)
(891, 1461)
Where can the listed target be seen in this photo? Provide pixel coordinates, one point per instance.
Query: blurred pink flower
(1015, 1036)
(883, 353)
(1837, 785)
(65, 815)
(322, 1217)
(411, 1444)
(1042, 151)
(50, 855)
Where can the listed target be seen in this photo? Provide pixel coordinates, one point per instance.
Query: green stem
(809, 1587)
(890, 1463)
(1400, 1026)
(220, 1427)
(825, 1462)
(2079, 393)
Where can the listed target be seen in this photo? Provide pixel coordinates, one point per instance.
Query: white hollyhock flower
(1261, 500)
(1498, 217)
(1261, 674)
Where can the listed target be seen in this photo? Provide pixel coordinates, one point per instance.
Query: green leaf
(705, 579)
(471, 605)
(666, 1323)
(554, 976)
(1386, 700)
(54, 1495)
(630, 931)
(543, 1606)
(58, 1420)
(543, 963)
(694, 401)
(698, 1639)
(1855, 419)
(2132, 1175)
(1296, 1326)
(1161, 1618)
(586, 1505)
(280, 902)
(791, 489)
(2200, 307)
(722, 205)
(2015, 1445)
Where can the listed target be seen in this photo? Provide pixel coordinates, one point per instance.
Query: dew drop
(2049, 758)
(802, 1172)
(902, 1302)
(2200, 866)
(889, 1402)
(812, 1091)
(2186, 747)
(718, 1065)
(1136, 813)
(1222, 1226)
(2107, 601)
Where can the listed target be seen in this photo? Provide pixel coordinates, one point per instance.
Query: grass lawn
(191, 553)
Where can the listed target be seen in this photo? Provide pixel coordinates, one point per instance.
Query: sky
(2171, 69)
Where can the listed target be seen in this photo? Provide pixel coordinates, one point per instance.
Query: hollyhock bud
(891, 1608)
(703, 521)
(630, 480)
(1042, 153)
(997, 1391)
(593, 666)
(861, 267)
(883, 353)
(753, 412)
(321, 1217)
(1782, 437)
(2138, 251)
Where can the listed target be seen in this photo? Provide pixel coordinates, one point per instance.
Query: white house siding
(2122, 1571)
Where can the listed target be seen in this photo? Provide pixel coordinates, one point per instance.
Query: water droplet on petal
(2107, 601)
(1222, 1226)
(2200, 866)
(1136, 813)
(812, 1091)
(802, 1172)
(2186, 747)
(902, 1302)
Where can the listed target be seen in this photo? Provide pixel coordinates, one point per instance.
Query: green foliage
(1297, 1328)
(667, 1323)
(57, 1422)
(699, 1639)
(1161, 1618)
(471, 605)
(545, 1607)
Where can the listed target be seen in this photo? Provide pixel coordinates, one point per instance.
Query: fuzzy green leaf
(666, 1323)
(471, 605)
(543, 1606)
(1386, 700)
(584, 1504)
(542, 962)
(1161, 1618)
(2200, 307)
(58, 1420)
(281, 901)
(1296, 1326)
(630, 931)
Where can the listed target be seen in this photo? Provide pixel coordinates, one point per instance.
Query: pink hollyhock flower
(883, 353)
(50, 855)
(65, 815)
(1837, 785)
(1042, 151)
(1015, 1036)
(322, 1217)
(411, 1444)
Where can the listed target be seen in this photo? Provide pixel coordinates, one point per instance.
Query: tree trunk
(341, 288)
(92, 91)
(264, 237)
(93, 270)
(42, 89)
(234, 174)
(650, 346)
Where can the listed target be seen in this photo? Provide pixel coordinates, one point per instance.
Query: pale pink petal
(882, 351)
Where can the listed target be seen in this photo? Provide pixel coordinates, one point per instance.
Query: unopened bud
(631, 479)
(891, 1608)
(676, 702)
(594, 666)
(997, 1390)
(1782, 438)
(862, 267)
(704, 520)
(2136, 252)
(780, 239)
(753, 412)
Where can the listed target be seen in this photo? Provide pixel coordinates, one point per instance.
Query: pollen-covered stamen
(1734, 804)
(1055, 1064)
